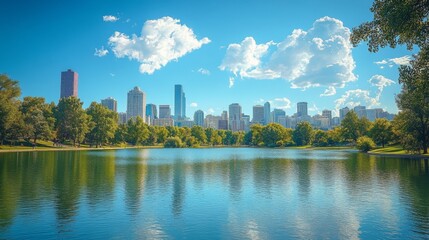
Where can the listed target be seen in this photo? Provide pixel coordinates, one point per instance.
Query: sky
(222, 52)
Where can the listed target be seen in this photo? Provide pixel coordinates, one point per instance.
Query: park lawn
(394, 150)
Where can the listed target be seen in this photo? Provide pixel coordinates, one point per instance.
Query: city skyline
(219, 62)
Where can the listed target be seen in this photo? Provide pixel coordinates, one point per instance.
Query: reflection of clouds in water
(152, 230)
(252, 230)
(302, 227)
(143, 154)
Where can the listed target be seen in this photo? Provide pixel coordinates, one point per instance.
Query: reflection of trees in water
(28, 179)
(134, 185)
(262, 169)
(179, 181)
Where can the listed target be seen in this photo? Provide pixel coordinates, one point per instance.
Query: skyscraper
(110, 103)
(343, 112)
(179, 102)
(301, 109)
(199, 118)
(360, 111)
(164, 111)
(276, 114)
(258, 114)
(235, 123)
(328, 114)
(69, 81)
(151, 111)
(267, 113)
(136, 104)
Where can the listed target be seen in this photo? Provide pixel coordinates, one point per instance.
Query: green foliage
(381, 131)
(199, 134)
(365, 144)
(9, 93)
(350, 127)
(395, 22)
(137, 131)
(103, 124)
(121, 133)
(38, 118)
(321, 138)
(72, 121)
(161, 134)
(275, 135)
(173, 142)
(303, 134)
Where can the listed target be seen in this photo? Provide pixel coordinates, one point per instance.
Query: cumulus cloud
(204, 71)
(329, 92)
(404, 60)
(161, 41)
(380, 82)
(210, 111)
(101, 52)
(194, 104)
(321, 56)
(231, 82)
(353, 98)
(110, 18)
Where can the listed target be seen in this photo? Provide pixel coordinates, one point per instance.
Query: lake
(215, 193)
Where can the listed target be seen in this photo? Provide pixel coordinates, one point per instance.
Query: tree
(173, 142)
(104, 122)
(137, 131)
(395, 22)
(275, 135)
(365, 144)
(121, 134)
(162, 134)
(9, 93)
(381, 131)
(303, 134)
(72, 121)
(256, 133)
(38, 118)
(350, 127)
(320, 138)
(199, 134)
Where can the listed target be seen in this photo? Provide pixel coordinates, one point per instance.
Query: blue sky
(220, 51)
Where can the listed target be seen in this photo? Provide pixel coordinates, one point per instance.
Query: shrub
(173, 142)
(365, 144)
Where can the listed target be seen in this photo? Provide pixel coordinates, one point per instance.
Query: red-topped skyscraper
(68, 84)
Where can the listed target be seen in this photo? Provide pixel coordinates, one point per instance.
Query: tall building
(211, 121)
(276, 113)
(224, 115)
(267, 113)
(301, 109)
(245, 122)
(164, 111)
(179, 102)
(343, 113)
(258, 114)
(199, 118)
(235, 117)
(69, 81)
(328, 114)
(360, 111)
(110, 103)
(151, 111)
(122, 118)
(136, 104)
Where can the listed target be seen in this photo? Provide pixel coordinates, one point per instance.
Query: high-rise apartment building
(69, 80)
(343, 113)
(301, 109)
(136, 104)
(151, 111)
(276, 114)
(224, 115)
(179, 102)
(258, 114)
(110, 103)
(235, 121)
(328, 115)
(164, 111)
(199, 118)
(122, 118)
(267, 113)
(360, 111)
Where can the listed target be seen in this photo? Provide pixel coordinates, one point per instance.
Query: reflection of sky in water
(212, 193)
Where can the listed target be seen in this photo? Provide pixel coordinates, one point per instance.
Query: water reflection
(229, 193)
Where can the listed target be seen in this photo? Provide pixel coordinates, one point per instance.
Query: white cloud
(404, 60)
(110, 18)
(231, 82)
(321, 56)
(353, 98)
(210, 111)
(280, 103)
(204, 71)
(101, 52)
(194, 104)
(329, 92)
(161, 41)
(380, 82)
(314, 108)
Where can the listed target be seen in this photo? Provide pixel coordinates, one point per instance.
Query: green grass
(394, 150)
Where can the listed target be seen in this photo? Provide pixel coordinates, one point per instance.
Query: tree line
(67, 122)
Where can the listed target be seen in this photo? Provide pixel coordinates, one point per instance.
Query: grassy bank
(395, 150)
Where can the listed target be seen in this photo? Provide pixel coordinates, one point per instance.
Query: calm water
(228, 193)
